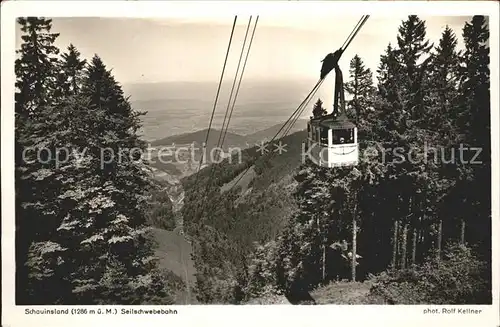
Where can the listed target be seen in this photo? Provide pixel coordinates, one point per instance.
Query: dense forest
(417, 228)
(83, 206)
(413, 218)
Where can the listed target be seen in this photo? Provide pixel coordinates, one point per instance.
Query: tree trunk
(411, 222)
(323, 265)
(394, 245)
(440, 239)
(462, 233)
(353, 258)
(324, 262)
(423, 248)
(354, 231)
(414, 247)
(419, 244)
(404, 245)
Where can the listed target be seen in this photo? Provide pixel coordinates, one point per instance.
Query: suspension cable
(223, 132)
(296, 114)
(241, 76)
(301, 107)
(292, 117)
(219, 144)
(296, 117)
(216, 99)
(354, 32)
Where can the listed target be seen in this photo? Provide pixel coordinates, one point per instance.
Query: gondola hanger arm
(331, 60)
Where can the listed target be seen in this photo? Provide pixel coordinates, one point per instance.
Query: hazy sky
(285, 47)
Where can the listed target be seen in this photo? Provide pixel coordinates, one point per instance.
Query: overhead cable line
(241, 76)
(300, 108)
(219, 143)
(216, 99)
(225, 127)
(292, 117)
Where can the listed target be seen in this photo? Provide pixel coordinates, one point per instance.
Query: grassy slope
(273, 168)
(244, 179)
(333, 293)
(345, 293)
(174, 254)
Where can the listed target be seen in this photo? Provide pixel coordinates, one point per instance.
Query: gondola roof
(332, 122)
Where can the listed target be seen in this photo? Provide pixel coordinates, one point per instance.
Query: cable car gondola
(332, 139)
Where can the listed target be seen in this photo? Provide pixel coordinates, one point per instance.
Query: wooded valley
(412, 219)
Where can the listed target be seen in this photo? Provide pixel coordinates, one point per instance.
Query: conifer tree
(445, 78)
(360, 87)
(389, 129)
(71, 71)
(35, 68)
(216, 278)
(119, 235)
(299, 253)
(92, 202)
(474, 124)
(35, 76)
(413, 98)
(389, 118)
(475, 88)
(52, 256)
(442, 128)
(348, 187)
(318, 110)
(262, 271)
(412, 46)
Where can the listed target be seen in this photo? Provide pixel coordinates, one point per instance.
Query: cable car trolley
(332, 139)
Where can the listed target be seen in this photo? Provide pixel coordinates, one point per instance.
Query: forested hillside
(82, 204)
(413, 218)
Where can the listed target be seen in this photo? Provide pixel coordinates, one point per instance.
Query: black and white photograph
(251, 159)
